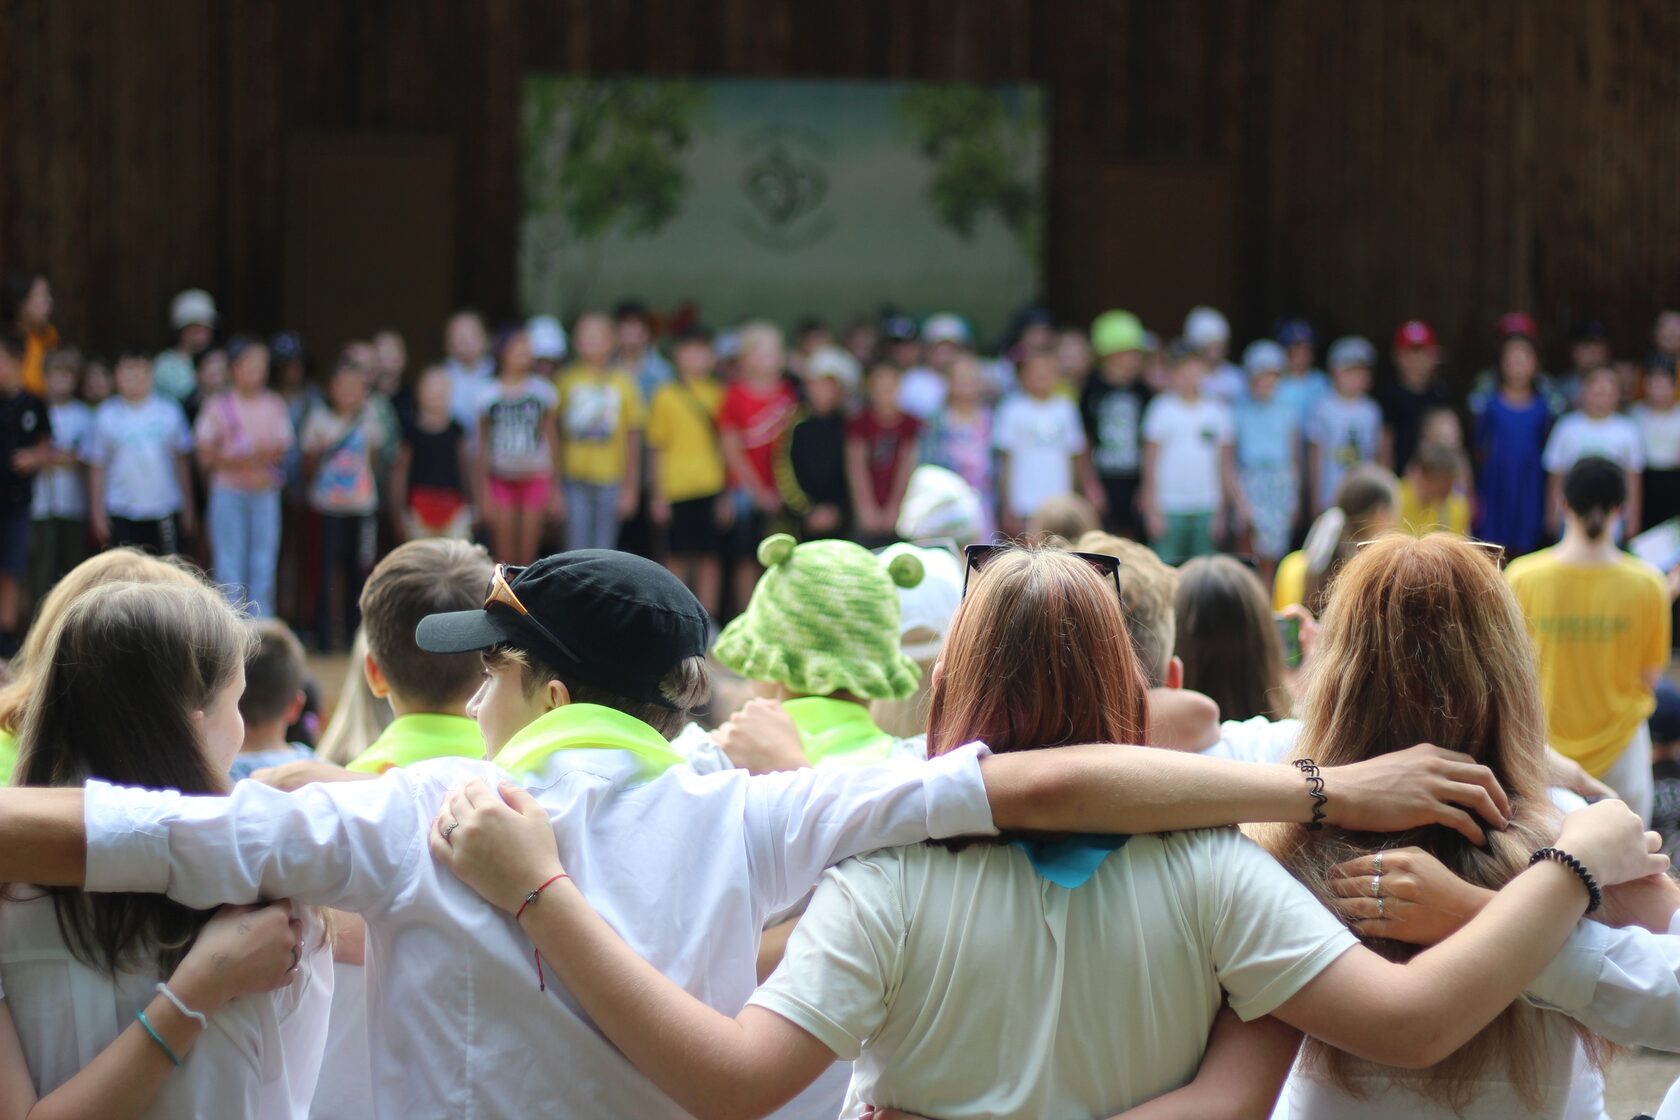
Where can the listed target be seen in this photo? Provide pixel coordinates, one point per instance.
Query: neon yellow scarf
(418, 737)
(587, 727)
(838, 730)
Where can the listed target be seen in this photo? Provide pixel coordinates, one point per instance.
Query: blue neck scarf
(1070, 862)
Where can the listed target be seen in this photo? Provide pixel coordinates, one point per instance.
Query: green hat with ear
(824, 619)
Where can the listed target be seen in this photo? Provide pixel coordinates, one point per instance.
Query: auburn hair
(1037, 656)
(1423, 642)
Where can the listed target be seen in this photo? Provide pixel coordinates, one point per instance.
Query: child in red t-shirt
(880, 454)
(757, 409)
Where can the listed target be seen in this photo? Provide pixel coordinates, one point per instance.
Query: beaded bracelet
(1595, 897)
(156, 1037)
(1315, 786)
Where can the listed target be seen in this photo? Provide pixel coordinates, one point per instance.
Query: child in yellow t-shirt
(601, 417)
(1600, 621)
(685, 462)
(1428, 498)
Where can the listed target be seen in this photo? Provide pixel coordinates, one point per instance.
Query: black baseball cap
(610, 619)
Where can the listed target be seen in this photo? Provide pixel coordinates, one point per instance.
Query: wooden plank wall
(1393, 157)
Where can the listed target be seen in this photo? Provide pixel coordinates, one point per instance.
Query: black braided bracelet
(1315, 786)
(1595, 897)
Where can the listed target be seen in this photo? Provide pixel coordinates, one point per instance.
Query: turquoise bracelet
(156, 1037)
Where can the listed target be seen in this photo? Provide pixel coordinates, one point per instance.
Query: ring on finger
(1382, 906)
(1376, 862)
(448, 828)
(1376, 886)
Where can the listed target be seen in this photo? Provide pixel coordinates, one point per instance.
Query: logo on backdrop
(784, 181)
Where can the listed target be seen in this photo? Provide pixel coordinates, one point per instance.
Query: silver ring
(1376, 886)
(448, 828)
(1382, 907)
(1376, 862)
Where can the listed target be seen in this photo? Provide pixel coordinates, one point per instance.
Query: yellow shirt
(682, 424)
(1289, 586)
(1420, 518)
(598, 411)
(1597, 630)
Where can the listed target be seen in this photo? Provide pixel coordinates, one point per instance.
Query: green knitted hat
(824, 619)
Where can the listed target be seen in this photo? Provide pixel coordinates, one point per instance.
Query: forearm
(1241, 1074)
(710, 1064)
(1111, 788)
(633, 461)
(42, 837)
(857, 481)
(183, 479)
(123, 1079)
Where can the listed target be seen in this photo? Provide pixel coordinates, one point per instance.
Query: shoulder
(1648, 576)
(1525, 567)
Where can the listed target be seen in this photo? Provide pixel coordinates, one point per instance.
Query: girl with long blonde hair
(1034, 976)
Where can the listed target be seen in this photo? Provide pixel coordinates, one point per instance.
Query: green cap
(824, 619)
(1115, 331)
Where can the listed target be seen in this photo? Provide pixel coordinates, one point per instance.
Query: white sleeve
(700, 750)
(1635, 448)
(1154, 424)
(800, 822)
(183, 437)
(1256, 740)
(1557, 457)
(1623, 984)
(1269, 936)
(1003, 426)
(841, 968)
(1226, 426)
(349, 845)
(1074, 428)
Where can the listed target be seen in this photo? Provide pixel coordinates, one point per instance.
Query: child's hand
(761, 738)
(823, 519)
(100, 525)
(725, 511)
(497, 841)
(1155, 523)
(189, 519)
(295, 775)
(241, 951)
(659, 510)
(628, 496)
(556, 503)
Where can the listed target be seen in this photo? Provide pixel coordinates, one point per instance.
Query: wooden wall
(1390, 157)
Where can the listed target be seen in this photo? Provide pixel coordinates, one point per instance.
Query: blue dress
(1512, 483)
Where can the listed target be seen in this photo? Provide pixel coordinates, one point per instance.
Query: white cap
(831, 361)
(946, 326)
(548, 337)
(939, 503)
(193, 307)
(727, 344)
(929, 605)
(1205, 326)
(1264, 356)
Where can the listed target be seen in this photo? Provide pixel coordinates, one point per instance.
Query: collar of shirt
(417, 737)
(838, 730)
(588, 727)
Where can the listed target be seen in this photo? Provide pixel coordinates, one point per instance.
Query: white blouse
(259, 1058)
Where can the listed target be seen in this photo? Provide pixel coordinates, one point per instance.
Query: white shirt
(465, 385)
(1346, 433)
(1578, 436)
(686, 867)
(922, 392)
(1189, 436)
(1068, 1003)
(345, 1088)
(1659, 436)
(137, 445)
(259, 1058)
(1256, 739)
(1041, 437)
(62, 491)
(1226, 382)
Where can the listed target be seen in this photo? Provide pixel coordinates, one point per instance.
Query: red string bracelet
(536, 954)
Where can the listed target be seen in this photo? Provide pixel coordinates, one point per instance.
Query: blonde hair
(359, 716)
(759, 333)
(1422, 641)
(1063, 518)
(1147, 588)
(118, 565)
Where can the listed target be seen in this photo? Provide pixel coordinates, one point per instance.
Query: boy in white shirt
(1596, 431)
(139, 481)
(1040, 442)
(1346, 426)
(1658, 420)
(687, 866)
(1189, 465)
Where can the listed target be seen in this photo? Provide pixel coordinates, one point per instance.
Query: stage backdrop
(782, 198)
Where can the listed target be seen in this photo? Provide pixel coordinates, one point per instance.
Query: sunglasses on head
(501, 592)
(979, 555)
(1494, 552)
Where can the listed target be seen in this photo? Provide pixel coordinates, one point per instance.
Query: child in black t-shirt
(428, 479)
(1111, 405)
(25, 432)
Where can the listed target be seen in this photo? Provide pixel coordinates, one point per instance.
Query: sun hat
(929, 606)
(194, 307)
(939, 503)
(1352, 351)
(831, 361)
(1263, 356)
(1114, 332)
(547, 337)
(946, 326)
(824, 618)
(1205, 326)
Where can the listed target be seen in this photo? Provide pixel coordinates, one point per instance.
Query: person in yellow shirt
(1428, 502)
(686, 464)
(601, 416)
(26, 306)
(1600, 622)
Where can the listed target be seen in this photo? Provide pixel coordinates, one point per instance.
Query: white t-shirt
(922, 392)
(1659, 436)
(258, 1059)
(1189, 435)
(1069, 1003)
(1346, 433)
(62, 491)
(345, 1088)
(1579, 436)
(1041, 437)
(688, 867)
(137, 445)
(1226, 382)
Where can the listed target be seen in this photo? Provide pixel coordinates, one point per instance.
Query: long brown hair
(121, 673)
(1227, 640)
(1423, 642)
(1037, 656)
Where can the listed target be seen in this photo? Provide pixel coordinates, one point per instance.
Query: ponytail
(1593, 489)
(1593, 522)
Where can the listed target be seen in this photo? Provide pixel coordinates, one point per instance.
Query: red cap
(1414, 334)
(1518, 322)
